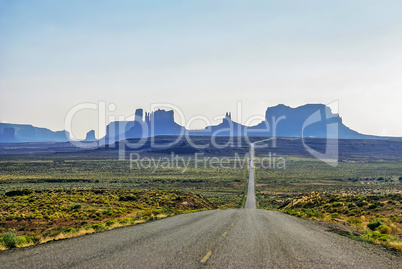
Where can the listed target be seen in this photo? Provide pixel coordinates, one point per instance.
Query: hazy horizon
(203, 57)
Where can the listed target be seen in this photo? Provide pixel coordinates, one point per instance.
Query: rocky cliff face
(159, 122)
(311, 120)
(8, 135)
(90, 137)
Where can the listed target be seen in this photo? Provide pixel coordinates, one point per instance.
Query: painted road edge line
(206, 257)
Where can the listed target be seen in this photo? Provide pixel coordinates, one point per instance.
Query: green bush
(18, 192)
(21, 240)
(10, 240)
(70, 230)
(110, 222)
(374, 224)
(77, 207)
(25, 239)
(384, 229)
(124, 221)
(355, 221)
(98, 227)
(335, 215)
(377, 236)
(128, 198)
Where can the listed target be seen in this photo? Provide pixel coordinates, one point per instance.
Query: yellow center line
(224, 234)
(206, 257)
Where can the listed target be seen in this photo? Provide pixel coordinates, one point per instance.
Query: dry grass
(83, 231)
(396, 245)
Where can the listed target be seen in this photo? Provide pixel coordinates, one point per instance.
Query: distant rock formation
(311, 120)
(90, 137)
(28, 133)
(139, 115)
(8, 135)
(159, 122)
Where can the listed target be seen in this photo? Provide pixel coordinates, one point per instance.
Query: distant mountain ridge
(310, 120)
(14, 133)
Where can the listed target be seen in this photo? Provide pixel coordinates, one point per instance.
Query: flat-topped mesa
(159, 122)
(310, 120)
(161, 115)
(162, 123)
(7, 135)
(299, 113)
(10, 132)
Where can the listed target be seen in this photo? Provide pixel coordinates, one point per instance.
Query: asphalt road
(250, 200)
(235, 238)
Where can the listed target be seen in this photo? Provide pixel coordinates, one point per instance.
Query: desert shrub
(21, 240)
(18, 193)
(87, 227)
(360, 203)
(395, 218)
(77, 207)
(291, 211)
(125, 221)
(374, 225)
(394, 229)
(384, 229)
(164, 210)
(377, 236)
(110, 222)
(308, 212)
(355, 221)
(25, 239)
(128, 198)
(10, 240)
(353, 212)
(335, 215)
(70, 230)
(98, 227)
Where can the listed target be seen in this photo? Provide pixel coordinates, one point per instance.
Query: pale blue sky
(202, 56)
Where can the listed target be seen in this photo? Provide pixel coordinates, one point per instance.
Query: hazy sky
(202, 56)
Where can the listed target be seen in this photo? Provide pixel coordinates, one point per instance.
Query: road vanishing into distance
(233, 238)
(251, 203)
